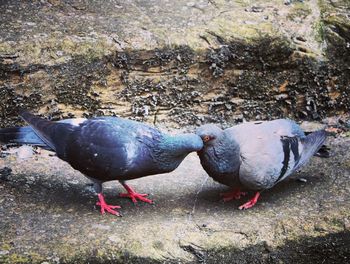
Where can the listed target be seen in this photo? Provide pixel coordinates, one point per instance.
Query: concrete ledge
(48, 215)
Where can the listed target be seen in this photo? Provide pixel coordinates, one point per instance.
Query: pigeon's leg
(251, 203)
(101, 200)
(134, 196)
(233, 194)
(107, 207)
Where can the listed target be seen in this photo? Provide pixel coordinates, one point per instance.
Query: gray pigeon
(255, 155)
(106, 149)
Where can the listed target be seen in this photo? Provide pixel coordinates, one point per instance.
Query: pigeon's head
(209, 133)
(189, 142)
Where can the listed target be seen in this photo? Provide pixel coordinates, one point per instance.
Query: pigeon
(256, 155)
(106, 149)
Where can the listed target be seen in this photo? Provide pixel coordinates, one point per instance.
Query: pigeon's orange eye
(206, 138)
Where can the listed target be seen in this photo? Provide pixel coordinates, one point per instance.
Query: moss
(340, 25)
(55, 49)
(337, 32)
(89, 49)
(338, 20)
(319, 29)
(6, 48)
(231, 30)
(332, 6)
(333, 17)
(5, 247)
(16, 258)
(337, 223)
(299, 11)
(105, 255)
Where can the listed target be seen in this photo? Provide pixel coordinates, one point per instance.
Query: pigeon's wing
(270, 152)
(288, 127)
(110, 148)
(282, 127)
(99, 147)
(297, 151)
(264, 160)
(53, 134)
(104, 148)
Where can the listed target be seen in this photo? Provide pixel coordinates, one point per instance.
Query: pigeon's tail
(52, 133)
(21, 136)
(323, 152)
(311, 145)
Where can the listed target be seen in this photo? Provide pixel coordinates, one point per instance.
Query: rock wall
(176, 63)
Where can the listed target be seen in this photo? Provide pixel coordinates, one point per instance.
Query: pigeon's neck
(173, 149)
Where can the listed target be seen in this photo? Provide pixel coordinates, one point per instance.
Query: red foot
(234, 194)
(106, 207)
(251, 203)
(134, 196)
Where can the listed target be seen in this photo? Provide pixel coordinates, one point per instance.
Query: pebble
(347, 224)
(25, 152)
(302, 179)
(114, 238)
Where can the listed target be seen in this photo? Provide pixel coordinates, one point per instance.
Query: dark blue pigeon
(106, 149)
(256, 155)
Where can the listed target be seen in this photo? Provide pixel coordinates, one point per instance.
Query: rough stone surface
(47, 214)
(175, 62)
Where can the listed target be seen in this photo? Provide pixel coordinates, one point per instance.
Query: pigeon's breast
(217, 167)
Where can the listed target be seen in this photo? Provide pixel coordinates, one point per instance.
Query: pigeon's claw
(134, 196)
(234, 194)
(250, 203)
(106, 207)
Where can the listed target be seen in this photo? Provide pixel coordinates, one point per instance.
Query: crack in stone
(196, 198)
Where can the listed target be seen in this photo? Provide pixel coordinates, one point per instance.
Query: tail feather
(311, 145)
(40, 132)
(21, 136)
(52, 133)
(40, 126)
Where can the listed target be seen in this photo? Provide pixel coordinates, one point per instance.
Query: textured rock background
(182, 62)
(174, 64)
